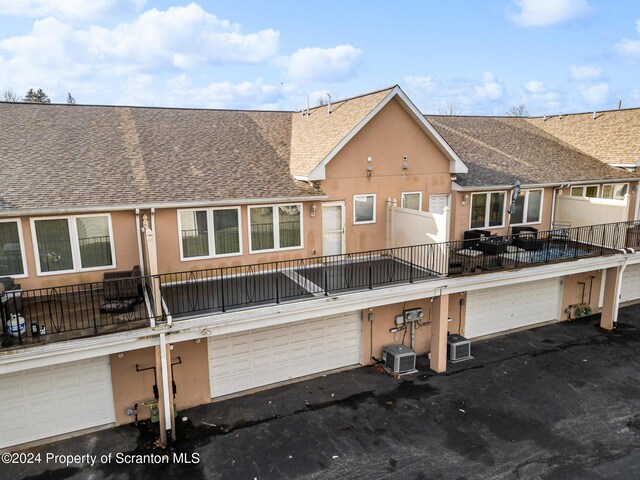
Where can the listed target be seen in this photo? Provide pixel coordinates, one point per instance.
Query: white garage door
(246, 360)
(48, 401)
(500, 309)
(630, 289)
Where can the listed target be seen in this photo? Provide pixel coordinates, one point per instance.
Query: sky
(473, 57)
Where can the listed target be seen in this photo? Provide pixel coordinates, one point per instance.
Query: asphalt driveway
(560, 401)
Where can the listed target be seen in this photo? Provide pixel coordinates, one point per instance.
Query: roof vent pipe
(619, 104)
(328, 103)
(544, 119)
(593, 117)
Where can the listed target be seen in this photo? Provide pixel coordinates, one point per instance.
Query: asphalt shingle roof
(314, 135)
(612, 137)
(84, 156)
(501, 150)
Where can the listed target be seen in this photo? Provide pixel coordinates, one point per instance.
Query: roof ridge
(344, 100)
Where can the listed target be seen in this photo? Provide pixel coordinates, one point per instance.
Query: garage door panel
(500, 309)
(54, 400)
(284, 352)
(630, 288)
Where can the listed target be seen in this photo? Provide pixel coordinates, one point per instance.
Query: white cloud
(181, 37)
(539, 97)
(541, 13)
(629, 48)
(595, 94)
(63, 8)
(535, 86)
(470, 94)
(322, 64)
(180, 91)
(585, 72)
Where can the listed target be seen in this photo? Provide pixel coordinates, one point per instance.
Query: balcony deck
(79, 311)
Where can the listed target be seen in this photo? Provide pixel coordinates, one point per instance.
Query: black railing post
(277, 284)
(370, 273)
(93, 310)
(411, 265)
(604, 234)
(224, 309)
(17, 314)
(326, 279)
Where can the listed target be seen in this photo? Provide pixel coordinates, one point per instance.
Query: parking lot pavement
(556, 402)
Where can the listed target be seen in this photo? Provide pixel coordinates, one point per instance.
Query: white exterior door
(333, 240)
(437, 203)
(246, 360)
(501, 309)
(630, 289)
(49, 401)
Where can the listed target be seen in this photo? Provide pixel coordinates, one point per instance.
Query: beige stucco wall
(461, 214)
(572, 291)
(387, 138)
(126, 250)
(131, 387)
(168, 238)
(384, 321)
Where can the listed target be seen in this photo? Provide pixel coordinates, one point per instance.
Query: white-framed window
(12, 257)
(412, 200)
(615, 191)
(364, 209)
(209, 232)
(588, 191)
(528, 207)
(275, 227)
(487, 210)
(73, 244)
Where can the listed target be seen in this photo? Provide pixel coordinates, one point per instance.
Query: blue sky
(481, 56)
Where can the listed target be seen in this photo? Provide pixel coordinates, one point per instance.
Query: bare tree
(450, 109)
(518, 111)
(9, 96)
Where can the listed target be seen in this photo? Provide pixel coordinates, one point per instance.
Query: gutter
(26, 212)
(544, 185)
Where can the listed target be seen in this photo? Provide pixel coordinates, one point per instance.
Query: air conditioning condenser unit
(459, 348)
(399, 359)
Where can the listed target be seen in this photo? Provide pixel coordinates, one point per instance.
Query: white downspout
(618, 287)
(153, 222)
(140, 254)
(168, 405)
(553, 203)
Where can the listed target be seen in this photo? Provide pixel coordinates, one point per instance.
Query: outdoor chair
(472, 238)
(122, 291)
(526, 238)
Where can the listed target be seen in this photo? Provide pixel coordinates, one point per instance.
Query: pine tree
(36, 97)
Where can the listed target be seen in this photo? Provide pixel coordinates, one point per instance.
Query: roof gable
(319, 136)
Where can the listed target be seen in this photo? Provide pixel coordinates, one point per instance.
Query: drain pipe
(618, 286)
(166, 400)
(413, 336)
(140, 254)
(153, 221)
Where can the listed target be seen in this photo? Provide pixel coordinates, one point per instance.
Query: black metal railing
(220, 289)
(103, 307)
(87, 308)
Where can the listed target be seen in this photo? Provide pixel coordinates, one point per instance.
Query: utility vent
(459, 348)
(399, 359)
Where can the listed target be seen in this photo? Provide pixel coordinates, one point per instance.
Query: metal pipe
(140, 253)
(168, 407)
(618, 286)
(413, 335)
